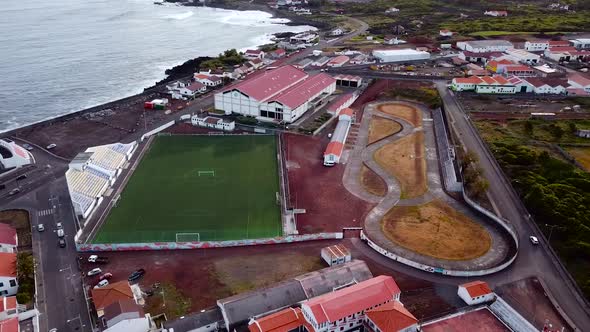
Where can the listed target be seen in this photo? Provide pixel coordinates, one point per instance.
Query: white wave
(179, 17)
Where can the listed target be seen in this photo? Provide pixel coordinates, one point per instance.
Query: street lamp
(551, 231)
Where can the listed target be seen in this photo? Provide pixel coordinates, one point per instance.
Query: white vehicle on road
(534, 240)
(94, 271)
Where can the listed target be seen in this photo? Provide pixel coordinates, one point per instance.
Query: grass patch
(372, 183)
(379, 128)
(169, 300)
(404, 159)
(436, 230)
(222, 187)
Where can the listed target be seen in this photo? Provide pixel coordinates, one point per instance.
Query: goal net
(188, 237)
(206, 173)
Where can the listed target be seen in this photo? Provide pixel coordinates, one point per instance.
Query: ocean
(62, 56)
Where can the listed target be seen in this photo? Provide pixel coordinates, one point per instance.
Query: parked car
(40, 227)
(98, 259)
(58, 225)
(136, 275)
(94, 271)
(102, 283)
(51, 146)
(28, 147)
(61, 243)
(21, 177)
(106, 276)
(14, 191)
(60, 233)
(534, 240)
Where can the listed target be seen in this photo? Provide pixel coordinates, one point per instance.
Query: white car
(102, 283)
(534, 240)
(94, 271)
(40, 227)
(51, 146)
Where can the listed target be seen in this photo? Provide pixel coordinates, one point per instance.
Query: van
(60, 233)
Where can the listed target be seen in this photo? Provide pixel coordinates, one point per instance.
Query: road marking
(45, 212)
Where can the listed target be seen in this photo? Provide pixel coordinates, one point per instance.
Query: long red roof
(270, 83)
(281, 321)
(7, 264)
(391, 317)
(347, 301)
(334, 148)
(302, 92)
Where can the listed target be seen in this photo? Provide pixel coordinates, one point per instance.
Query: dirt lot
(404, 159)
(436, 230)
(379, 128)
(474, 321)
(201, 276)
(372, 183)
(319, 189)
(582, 156)
(528, 297)
(19, 220)
(407, 113)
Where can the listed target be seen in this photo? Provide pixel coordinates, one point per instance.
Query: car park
(61, 243)
(40, 227)
(94, 271)
(534, 240)
(102, 283)
(136, 275)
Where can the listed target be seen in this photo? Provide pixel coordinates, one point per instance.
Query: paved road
(532, 260)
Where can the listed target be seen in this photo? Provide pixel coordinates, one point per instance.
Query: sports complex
(199, 188)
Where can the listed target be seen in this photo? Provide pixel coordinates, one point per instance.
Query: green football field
(207, 188)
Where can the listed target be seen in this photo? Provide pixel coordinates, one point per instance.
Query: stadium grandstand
(12, 156)
(336, 146)
(92, 172)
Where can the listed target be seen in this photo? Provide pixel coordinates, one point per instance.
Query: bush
(26, 277)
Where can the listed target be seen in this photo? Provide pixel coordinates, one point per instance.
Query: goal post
(206, 173)
(188, 237)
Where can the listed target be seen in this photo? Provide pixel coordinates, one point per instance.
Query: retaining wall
(90, 247)
(157, 130)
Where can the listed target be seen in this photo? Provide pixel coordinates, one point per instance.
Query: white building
(579, 82)
(181, 90)
(8, 275)
(581, 43)
(305, 37)
(391, 317)
(12, 155)
(320, 62)
(536, 45)
(445, 33)
(127, 316)
(551, 86)
(475, 292)
(491, 84)
(524, 56)
(406, 54)
(9, 307)
(336, 254)
(484, 46)
(208, 80)
(337, 32)
(213, 122)
(496, 13)
(8, 238)
(281, 95)
(254, 54)
(335, 148)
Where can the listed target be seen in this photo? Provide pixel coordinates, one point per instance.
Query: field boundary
(99, 247)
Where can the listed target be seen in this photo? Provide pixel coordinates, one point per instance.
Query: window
(1, 284)
(350, 325)
(13, 283)
(341, 328)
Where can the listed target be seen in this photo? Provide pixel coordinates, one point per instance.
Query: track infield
(214, 188)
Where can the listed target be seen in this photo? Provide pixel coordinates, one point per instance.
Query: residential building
(127, 316)
(256, 63)
(524, 56)
(208, 320)
(337, 32)
(282, 95)
(581, 43)
(193, 89)
(208, 80)
(254, 54)
(484, 46)
(496, 13)
(391, 317)
(336, 254)
(445, 33)
(392, 40)
(400, 55)
(345, 308)
(335, 148)
(338, 61)
(109, 294)
(560, 53)
(213, 122)
(545, 70)
(475, 292)
(9, 307)
(278, 53)
(548, 85)
(8, 276)
(359, 59)
(536, 45)
(519, 70)
(8, 238)
(478, 57)
(579, 82)
(321, 61)
(286, 320)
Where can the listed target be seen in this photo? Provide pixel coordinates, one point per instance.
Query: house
(193, 89)
(581, 43)
(10, 325)
(519, 70)
(548, 85)
(558, 43)
(256, 63)
(346, 308)
(278, 53)
(336, 254)
(304, 37)
(286, 320)
(496, 13)
(283, 94)
(254, 54)
(392, 40)
(445, 33)
(8, 278)
(545, 70)
(8, 238)
(126, 316)
(337, 32)
(334, 150)
(536, 45)
(209, 320)
(304, 63)
(391, 317)
(523, 56)
(359, 59)
(579, 82)
(338, 61)
(213, 122)
(487, 84)
(208, 80)
(560, 53)
(107, 295)
(584, 133)
(9, 307)
(321, 61)
(498, 66)
(483, 46)
(520, 84)
(475, 292)
(478, 57)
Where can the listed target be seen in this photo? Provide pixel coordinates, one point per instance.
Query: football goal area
(188, 237)
(205, 173)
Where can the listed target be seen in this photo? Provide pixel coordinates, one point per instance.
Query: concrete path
(363, 154)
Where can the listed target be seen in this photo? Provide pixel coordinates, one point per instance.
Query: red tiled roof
(214, 78)
(468, 80)
(347, 111)
(560, 49)
(391, 317)
(270, 83)
(7, 264)
(477, 288)
(339, 102)
(195, 86)
(279, 51)
(9, 325)
(581, 80)
(256, 61)
(111, 293)
(552, 82)
(7, 303)
(7, 234)
(211, 120)
(281, 321)
(485, 55)
(488, 80)
(339, 60)
(346, 301)
(518, 68)
(500, 79)
(479, 72)
(256, 52)
(201, 76)
(334, 148)
(303, 91)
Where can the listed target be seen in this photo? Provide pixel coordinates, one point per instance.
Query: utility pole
(551, 231)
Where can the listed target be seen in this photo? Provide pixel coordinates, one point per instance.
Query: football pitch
(199, 188)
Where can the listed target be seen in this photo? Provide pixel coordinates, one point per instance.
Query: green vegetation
(315, 124)
(167, 299)
(26, 277)
(494, 33)
(426, 95)
(228, 58)
(222, 187)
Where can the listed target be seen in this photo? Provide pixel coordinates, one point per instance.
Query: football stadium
(199, 188)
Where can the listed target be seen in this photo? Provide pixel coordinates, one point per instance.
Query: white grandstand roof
(82, 201)
(106, 157)
(123, 148)
(86, 183)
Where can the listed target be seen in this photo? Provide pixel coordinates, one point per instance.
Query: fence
(90, 247)
(157, 130)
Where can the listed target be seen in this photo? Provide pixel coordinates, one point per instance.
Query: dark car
(21, 177)
(136, 275)
(61, 243)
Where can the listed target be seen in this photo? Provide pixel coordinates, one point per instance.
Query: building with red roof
(10, 325)
(8, 307)
(278, 53)
(8, 280)
(111, 293)
(577, 81)
(346, 307)
(391, 317)
(254, 54)
(8, 238)
(545, 85)
(280, 95)
(486, 84)
(341, 102)
(290, 319)
(334, 150)
(338, 61)
(475, 292)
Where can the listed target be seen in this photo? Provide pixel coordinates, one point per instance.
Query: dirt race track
(404, 159)
(436, 230)
(318, 189)
(381, 128)
(372, 183)
(405, 112)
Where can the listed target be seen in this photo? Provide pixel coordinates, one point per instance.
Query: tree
(528, 128)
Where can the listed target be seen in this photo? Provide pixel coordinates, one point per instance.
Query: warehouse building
(581, 43)
(483, 46)
(335, 148)
(524, 56)
(406, 54)
(280, 95)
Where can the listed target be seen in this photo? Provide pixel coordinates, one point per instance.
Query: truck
(98, 259)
